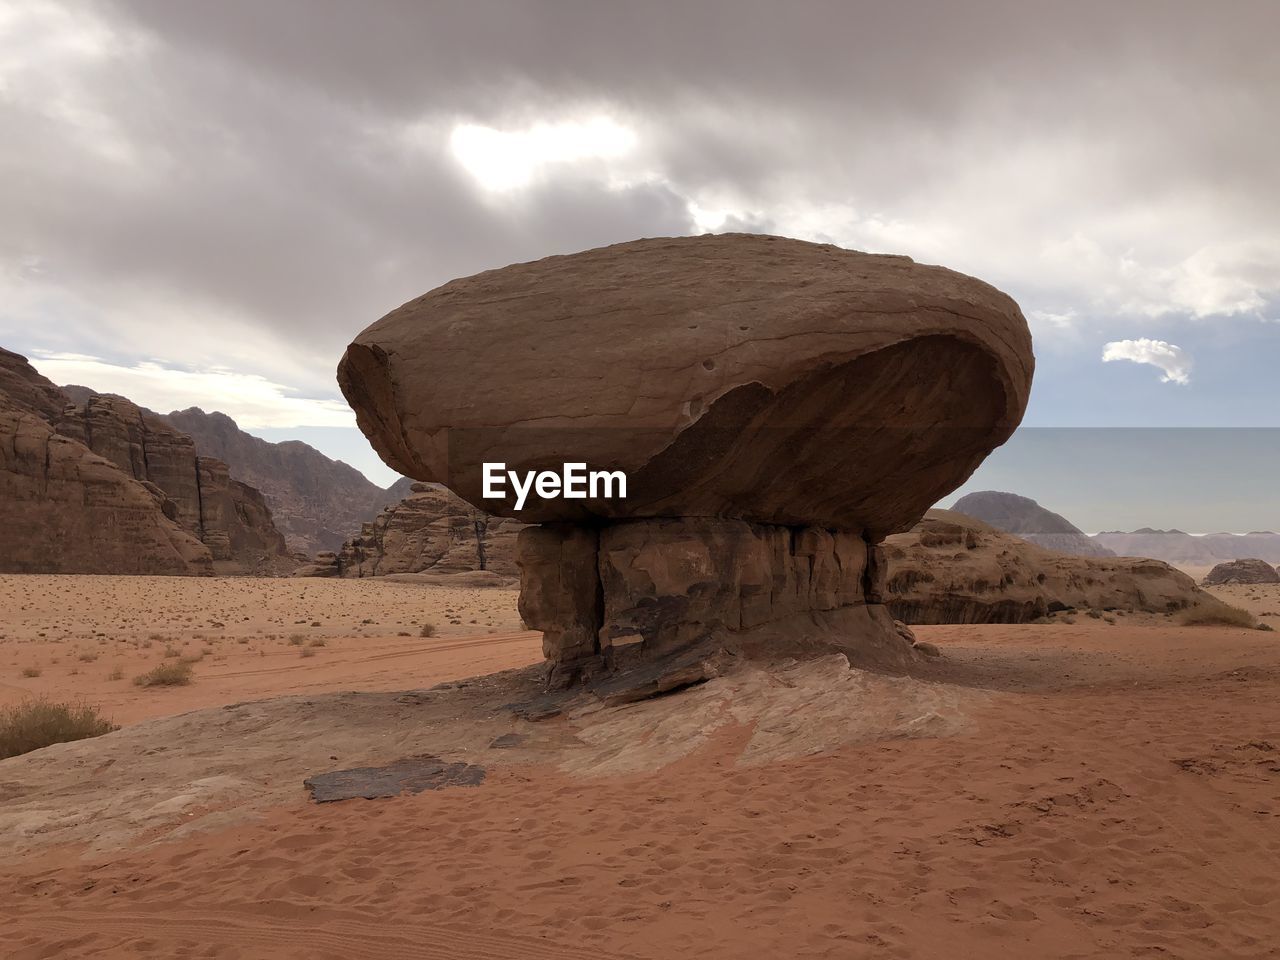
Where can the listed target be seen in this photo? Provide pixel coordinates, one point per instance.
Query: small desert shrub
(307, 652)
(116, 674)
(317, 642)
(428, 630)
(296, 639)
(38, 723)
(166, 675)
(88, 657)
(1216, 615)
(31, 671)
(171, 651)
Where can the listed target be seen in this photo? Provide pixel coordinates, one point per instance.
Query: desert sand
(1066, 790)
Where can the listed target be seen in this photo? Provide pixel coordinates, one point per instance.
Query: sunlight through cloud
(502, 160)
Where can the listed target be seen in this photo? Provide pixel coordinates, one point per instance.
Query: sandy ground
(88, 637)
(1091, 790)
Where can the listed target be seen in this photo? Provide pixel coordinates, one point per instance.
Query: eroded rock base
(632, 593)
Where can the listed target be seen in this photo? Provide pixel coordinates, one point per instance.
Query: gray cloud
(250, 183)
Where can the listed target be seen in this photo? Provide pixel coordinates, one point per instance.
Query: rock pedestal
(660, 586)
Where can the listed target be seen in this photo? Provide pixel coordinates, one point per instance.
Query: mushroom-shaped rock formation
(777, 407)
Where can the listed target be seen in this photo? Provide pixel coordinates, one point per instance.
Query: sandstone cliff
(64, 509)
(129, 483)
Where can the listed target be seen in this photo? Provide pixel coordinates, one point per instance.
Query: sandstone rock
(778, 407)
(952, 568)
(122, 491)
(63, 509)
(430, 530)
(1249, 570)
(23, 390)
(229, 517)
(752, 377)
(1025, 518)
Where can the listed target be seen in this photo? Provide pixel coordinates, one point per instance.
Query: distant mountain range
(1024, 518)
(317, 502)
(1192, 550)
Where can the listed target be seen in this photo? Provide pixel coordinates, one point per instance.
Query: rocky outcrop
(229, 517)
(430, 530)
(1025, 518)
(122, 491)
(1249, 570)
(777, 408)
(315, 502)
(1192, 550)
(952, 568)
(64, 509)
(22, 389)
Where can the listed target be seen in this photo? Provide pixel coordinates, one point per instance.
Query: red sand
(1116, 795)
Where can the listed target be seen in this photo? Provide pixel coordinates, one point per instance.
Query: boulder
(1025, 518)
(1249, 570)
(777, 407)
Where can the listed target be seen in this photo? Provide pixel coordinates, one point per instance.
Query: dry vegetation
(38, 723)
(1217, 615)
(177, 674)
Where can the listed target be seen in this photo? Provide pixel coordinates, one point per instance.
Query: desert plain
(1068, 790)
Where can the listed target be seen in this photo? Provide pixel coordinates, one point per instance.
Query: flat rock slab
(411, 775)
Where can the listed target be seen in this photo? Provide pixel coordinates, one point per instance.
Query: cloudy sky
(201, 203)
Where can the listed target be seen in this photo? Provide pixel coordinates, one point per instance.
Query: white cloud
(1172, 359)
(250, 400)
(503, 160)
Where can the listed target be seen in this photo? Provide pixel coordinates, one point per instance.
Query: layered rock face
(315, 502)
(122, 491)
(777, 407)
(64, 509)
(1250, 570)
(1025, 518)
(430, 530)
(952, 568)
(229, 517)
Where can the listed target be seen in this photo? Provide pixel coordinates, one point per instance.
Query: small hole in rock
(708, 364)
